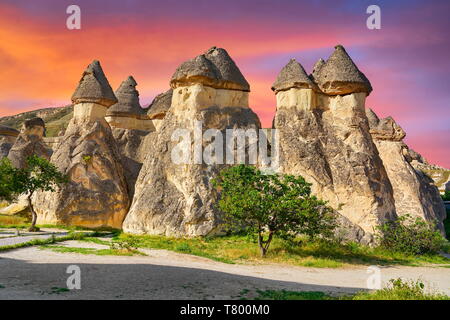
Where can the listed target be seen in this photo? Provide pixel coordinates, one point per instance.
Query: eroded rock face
(132, 150)
(179, 199)
(325, 138)
(414, 192)
(96, 194)
(29, 142)
(7, 138)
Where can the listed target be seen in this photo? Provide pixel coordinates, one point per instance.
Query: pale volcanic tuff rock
(7, 138)
(130, 125)
(29, 142)
(326, 139)
(96, 194)
(179, 199)
(339, 75)
(414, 192)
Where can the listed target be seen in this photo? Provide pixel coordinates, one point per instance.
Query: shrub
(410, 235)
(399, 289)
(446, 195)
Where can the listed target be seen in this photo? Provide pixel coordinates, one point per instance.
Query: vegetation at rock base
(38, 175)
(411, 235)
(9, 187)
(317, 253)
(269, 206)
(446, 195)
(397, 289)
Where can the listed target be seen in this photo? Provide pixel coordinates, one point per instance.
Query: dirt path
(32, 273)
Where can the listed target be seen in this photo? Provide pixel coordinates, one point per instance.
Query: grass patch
(15, 221)
(36, 242)
(319, 254)
(396, 290)
(98, 252)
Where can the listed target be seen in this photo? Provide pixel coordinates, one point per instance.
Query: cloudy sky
(407, 60)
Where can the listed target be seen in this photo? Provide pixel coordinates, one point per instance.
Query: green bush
(446, 195)
(410, 235)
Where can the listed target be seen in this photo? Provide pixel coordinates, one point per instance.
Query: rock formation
(178, 199)
(130, 125)
(29, 142)
(7, 138)
(324, 136)
(127, 112)
(96, 194)
(414, 192)
(158, 108)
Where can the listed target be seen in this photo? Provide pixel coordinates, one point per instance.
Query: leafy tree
(271, 205)
(446, 195)
(8, 182)
(38, 175)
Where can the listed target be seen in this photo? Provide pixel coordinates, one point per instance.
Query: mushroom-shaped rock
(160, 105)
(29, 142)
(128, 100)
(339, 75)
(94, 87)
(214, 68)
(292, 75)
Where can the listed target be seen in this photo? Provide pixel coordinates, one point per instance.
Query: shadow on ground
(20, 279)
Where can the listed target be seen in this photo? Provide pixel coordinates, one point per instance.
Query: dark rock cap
(160, 105)
(7, 131)
(214, 68)
(33, 123)
(339, 75)
(317, 66)
(293, 75)
(372, 117)
(94, 87)
(128, 96)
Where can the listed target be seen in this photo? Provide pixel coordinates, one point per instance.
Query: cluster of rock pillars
(118, 156)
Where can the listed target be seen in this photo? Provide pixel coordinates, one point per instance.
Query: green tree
(271, 205)
(38, 175)
(8, 182)
(446, 195)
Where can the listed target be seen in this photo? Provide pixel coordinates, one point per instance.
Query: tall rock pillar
(96, 194)
(178, 199)
(324, 136)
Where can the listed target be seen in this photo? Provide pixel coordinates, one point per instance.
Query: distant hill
(55, 119)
